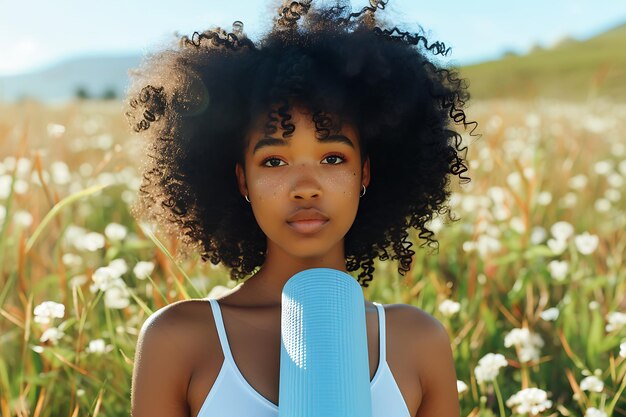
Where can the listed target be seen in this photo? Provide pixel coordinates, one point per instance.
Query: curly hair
(195, 103)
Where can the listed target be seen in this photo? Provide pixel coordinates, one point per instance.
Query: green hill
(573, 70)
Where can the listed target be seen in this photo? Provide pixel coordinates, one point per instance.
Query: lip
(307, 214)
(308, 226)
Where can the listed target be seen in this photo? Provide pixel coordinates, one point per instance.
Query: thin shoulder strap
(381, 332)
(221, 330)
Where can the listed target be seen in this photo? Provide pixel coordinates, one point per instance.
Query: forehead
(303, 122)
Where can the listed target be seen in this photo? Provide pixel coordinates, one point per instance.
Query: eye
(335, 156)
(333, 160)
(270, 159)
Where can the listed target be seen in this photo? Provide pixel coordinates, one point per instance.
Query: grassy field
(530, 283)
(573, 71)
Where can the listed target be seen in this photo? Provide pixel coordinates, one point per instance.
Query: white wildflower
(544, 198)
(603, 167)
(517, 224)
(528, 343)
(557, 246)
(470, 203)
(20, 187)
(537, 235)
(5, 186)
(468, 246)
(527, 353)
(449, 308)
(52, 334)
(436, 224)
(501, 213)
(60, 173)
(594, 412)
(616, 320)
(217, 291)
(98, 346)
(550, 314)
(487, 244)
(91, 242)
(514, 179)
(615, 180)
(578, 182)
(558, 269)
(78, 280)
(106, 277)
(489, 366)
(142, 269)
(55, 130)
(22, 218)
(529, 401)
(461, 386)
(24, 166)
(602, 205)
(622, 349)
(591, 383)
(117, 297)
(72, 260)
(48, 310)
(115, 231)
(119, 265)
(586, 243)
(497, 194)
(529, 173)
(562, 230)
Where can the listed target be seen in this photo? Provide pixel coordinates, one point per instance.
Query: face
(283, 176)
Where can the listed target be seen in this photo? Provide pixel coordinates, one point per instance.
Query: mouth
(308, 226)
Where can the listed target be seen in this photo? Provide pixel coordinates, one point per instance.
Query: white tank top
(232, 396)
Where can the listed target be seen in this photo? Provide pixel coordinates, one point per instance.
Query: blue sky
(38, 33)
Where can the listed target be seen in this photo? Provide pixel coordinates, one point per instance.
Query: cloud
(21, 55)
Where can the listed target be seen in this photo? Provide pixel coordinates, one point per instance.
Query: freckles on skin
(267, 188)
(345, 180)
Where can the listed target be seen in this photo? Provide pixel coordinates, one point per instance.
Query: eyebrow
(269, 141)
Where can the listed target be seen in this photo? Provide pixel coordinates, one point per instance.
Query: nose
(305, 192)
(306, 187)
(305, 184)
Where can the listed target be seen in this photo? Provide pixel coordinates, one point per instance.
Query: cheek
(345, 182)
(268, 187)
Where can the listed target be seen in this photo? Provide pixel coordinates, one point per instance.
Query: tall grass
(530, 283)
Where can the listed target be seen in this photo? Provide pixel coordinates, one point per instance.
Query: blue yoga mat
(324, 365)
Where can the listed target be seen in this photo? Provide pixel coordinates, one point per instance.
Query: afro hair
(194, 103)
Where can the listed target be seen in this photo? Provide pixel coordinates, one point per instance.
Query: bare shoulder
(173, 317)
(164, 361)
(415, 325)
(433, 359)
(187, 323)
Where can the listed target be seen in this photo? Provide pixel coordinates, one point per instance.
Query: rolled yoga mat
(324, 365)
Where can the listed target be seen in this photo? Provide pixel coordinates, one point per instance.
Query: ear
(366, 172)
(241, 180)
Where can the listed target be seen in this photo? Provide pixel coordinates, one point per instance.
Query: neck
(264, 288)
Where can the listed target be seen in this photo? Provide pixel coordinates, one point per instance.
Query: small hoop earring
(364, 190)
(247, 198)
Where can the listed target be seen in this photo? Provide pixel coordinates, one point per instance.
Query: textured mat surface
(324, 365)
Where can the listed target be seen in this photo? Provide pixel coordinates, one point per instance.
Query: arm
(161, 372)
(436, 370)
